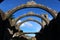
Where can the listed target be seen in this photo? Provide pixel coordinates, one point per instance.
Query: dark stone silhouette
(1, 30)
(4, 33)
(1, 1)
(51, 31)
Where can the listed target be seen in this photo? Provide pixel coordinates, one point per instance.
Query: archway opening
(34, 10)
(30, 26)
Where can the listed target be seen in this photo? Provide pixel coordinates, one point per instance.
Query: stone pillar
(43, 22)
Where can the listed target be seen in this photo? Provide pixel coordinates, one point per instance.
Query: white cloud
(27, 24)
(38, 28)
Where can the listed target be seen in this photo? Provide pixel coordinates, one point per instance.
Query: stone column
(43, 22)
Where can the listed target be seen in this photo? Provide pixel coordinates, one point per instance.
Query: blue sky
(35, 27)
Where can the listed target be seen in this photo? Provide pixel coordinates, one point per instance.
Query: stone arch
(29, 19)
(31, 14)
(31, 5)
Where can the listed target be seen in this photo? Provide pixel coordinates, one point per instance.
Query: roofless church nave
(9, 28)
